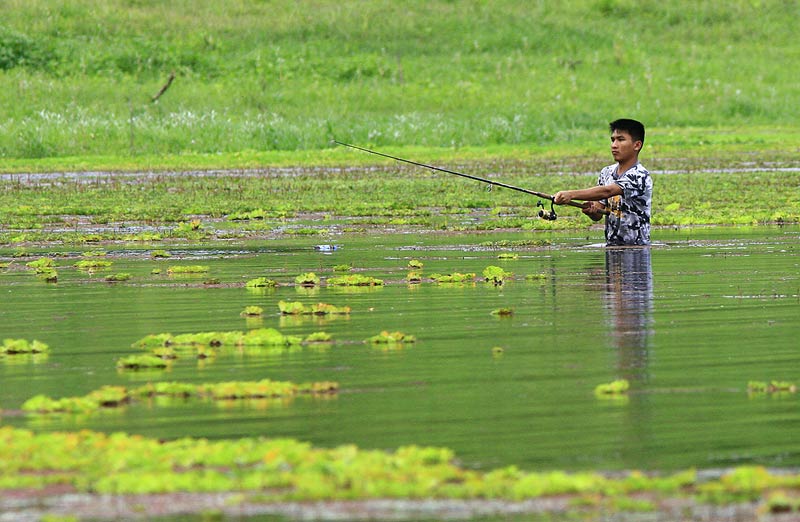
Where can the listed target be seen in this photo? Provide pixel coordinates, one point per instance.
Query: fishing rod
(549, 215)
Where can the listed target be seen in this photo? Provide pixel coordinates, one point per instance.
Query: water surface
(688, 322)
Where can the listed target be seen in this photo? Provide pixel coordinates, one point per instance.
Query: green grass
(257, 80)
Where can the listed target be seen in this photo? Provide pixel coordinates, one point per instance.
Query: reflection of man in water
(628, 300)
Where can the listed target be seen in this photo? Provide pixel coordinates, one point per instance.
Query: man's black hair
(632, 127)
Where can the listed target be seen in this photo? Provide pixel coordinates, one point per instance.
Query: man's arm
(590, 194)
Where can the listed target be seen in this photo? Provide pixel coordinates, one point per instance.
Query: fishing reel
(547, 215)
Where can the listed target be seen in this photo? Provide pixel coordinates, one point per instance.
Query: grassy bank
(78, 79)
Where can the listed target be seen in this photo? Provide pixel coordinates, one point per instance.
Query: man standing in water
(624, 190)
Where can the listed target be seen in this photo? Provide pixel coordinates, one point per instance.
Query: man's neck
(624, 167)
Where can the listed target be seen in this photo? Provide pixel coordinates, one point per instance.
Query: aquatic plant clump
(307, 279)
(252, 311)
(256, 337)
(263, 389)
(618, 387)
(756, 387)
(115, 396)
(354, 280)
(260, 282)
(496, 275)
(41, 264)
(386, 337)
(298, 308)
(107, 396)
(20, 346)
(319, 337)
(92, 264)
(116, 278)
(188, 269)
(536, 277)
(141, 362)
(455, 277)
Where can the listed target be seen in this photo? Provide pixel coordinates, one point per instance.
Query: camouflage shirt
(629, 220)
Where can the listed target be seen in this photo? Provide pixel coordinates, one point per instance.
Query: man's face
(623, 148)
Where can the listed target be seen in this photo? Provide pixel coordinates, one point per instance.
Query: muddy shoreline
(30, 506)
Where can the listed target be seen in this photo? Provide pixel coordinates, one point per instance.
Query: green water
(688, 321)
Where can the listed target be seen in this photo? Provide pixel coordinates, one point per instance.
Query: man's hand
(562, 197)
(593, 209)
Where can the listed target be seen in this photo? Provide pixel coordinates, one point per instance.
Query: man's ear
(637, 145)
